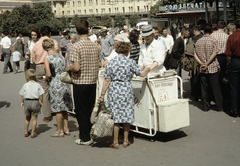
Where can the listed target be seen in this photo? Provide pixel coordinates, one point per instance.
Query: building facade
(10, 4)
(86, 8)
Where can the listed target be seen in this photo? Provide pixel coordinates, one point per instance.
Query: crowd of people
(214, 71)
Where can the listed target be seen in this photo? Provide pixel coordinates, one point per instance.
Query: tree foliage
(75, 19)
(106, 20)
(93, 21)
(119, 20)
(133, 19)
(24, 18)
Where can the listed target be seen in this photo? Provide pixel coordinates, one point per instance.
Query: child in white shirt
(32, 98)
(16, 60)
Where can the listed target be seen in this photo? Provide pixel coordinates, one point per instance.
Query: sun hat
(122, 38)
(147, 30)
(104, 29)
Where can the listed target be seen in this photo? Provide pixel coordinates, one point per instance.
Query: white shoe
(80, 142)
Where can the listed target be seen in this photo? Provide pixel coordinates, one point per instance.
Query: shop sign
(191, 6)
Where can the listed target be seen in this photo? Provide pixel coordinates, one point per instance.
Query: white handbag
(65, 77)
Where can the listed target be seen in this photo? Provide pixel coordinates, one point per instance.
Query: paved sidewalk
(212, 139)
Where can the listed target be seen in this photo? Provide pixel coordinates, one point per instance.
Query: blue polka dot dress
(120, 71)
(59, 92)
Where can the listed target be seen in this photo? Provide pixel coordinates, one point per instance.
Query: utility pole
(206, 10)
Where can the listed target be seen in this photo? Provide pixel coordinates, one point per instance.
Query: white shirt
(93, 38)
(16, 56)
(6, 42)
(154, 53)
(31, 90)
(168, 40)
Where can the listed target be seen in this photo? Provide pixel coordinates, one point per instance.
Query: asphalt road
(212, 139)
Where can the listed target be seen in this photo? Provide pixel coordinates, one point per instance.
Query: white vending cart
(157, 103)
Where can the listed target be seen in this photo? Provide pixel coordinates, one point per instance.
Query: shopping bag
(104, 123)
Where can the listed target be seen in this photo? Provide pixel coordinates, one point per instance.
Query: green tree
(119, 20)
(42, 11)
(106, 20)
(133, 19)
(93, 21)
(75, 19)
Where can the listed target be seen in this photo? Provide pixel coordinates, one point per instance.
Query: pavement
(212, 139)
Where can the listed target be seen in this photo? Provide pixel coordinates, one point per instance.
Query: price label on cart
(165, 89)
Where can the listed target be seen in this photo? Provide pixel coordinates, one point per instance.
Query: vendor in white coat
(152, 52)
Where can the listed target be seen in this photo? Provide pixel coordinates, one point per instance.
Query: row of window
(90, 2)
(116, 9)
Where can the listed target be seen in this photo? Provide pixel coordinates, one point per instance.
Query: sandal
(34, 135)
(66, 132)
(126, 144)
(114, 145)
(27, 134)
(57, 134)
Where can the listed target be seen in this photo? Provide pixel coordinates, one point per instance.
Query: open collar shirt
(168, 41)
(221, 38)
(5, 42)
(204, 48)
(87, 54)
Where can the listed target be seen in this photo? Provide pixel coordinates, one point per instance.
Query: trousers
(84, 99)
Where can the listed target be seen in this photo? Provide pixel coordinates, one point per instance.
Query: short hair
(155, 28)
(65, 33)
(237, 23)
(201, 22)
(30, 74)
(231, 27)
(165, 28)
(134, 35)
(82, 27)
(183, 30)
(36, 31)
(207, 28)
(45, 30)
(214, 27)
(221, 24)
(47, 44)
(5, 33)
(196, 28)
(123, 48)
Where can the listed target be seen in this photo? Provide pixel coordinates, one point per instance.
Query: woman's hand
(68, 67)
(100, 99)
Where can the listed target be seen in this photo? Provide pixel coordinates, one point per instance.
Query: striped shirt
(87, 54)
(221, 38)
(204, 48)
(134, 54)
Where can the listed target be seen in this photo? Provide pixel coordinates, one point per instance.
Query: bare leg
(115, 144)
(59, 119)
(34, 124)
(65, 121)
(126, 128)
(115, 133)
(26, 124)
